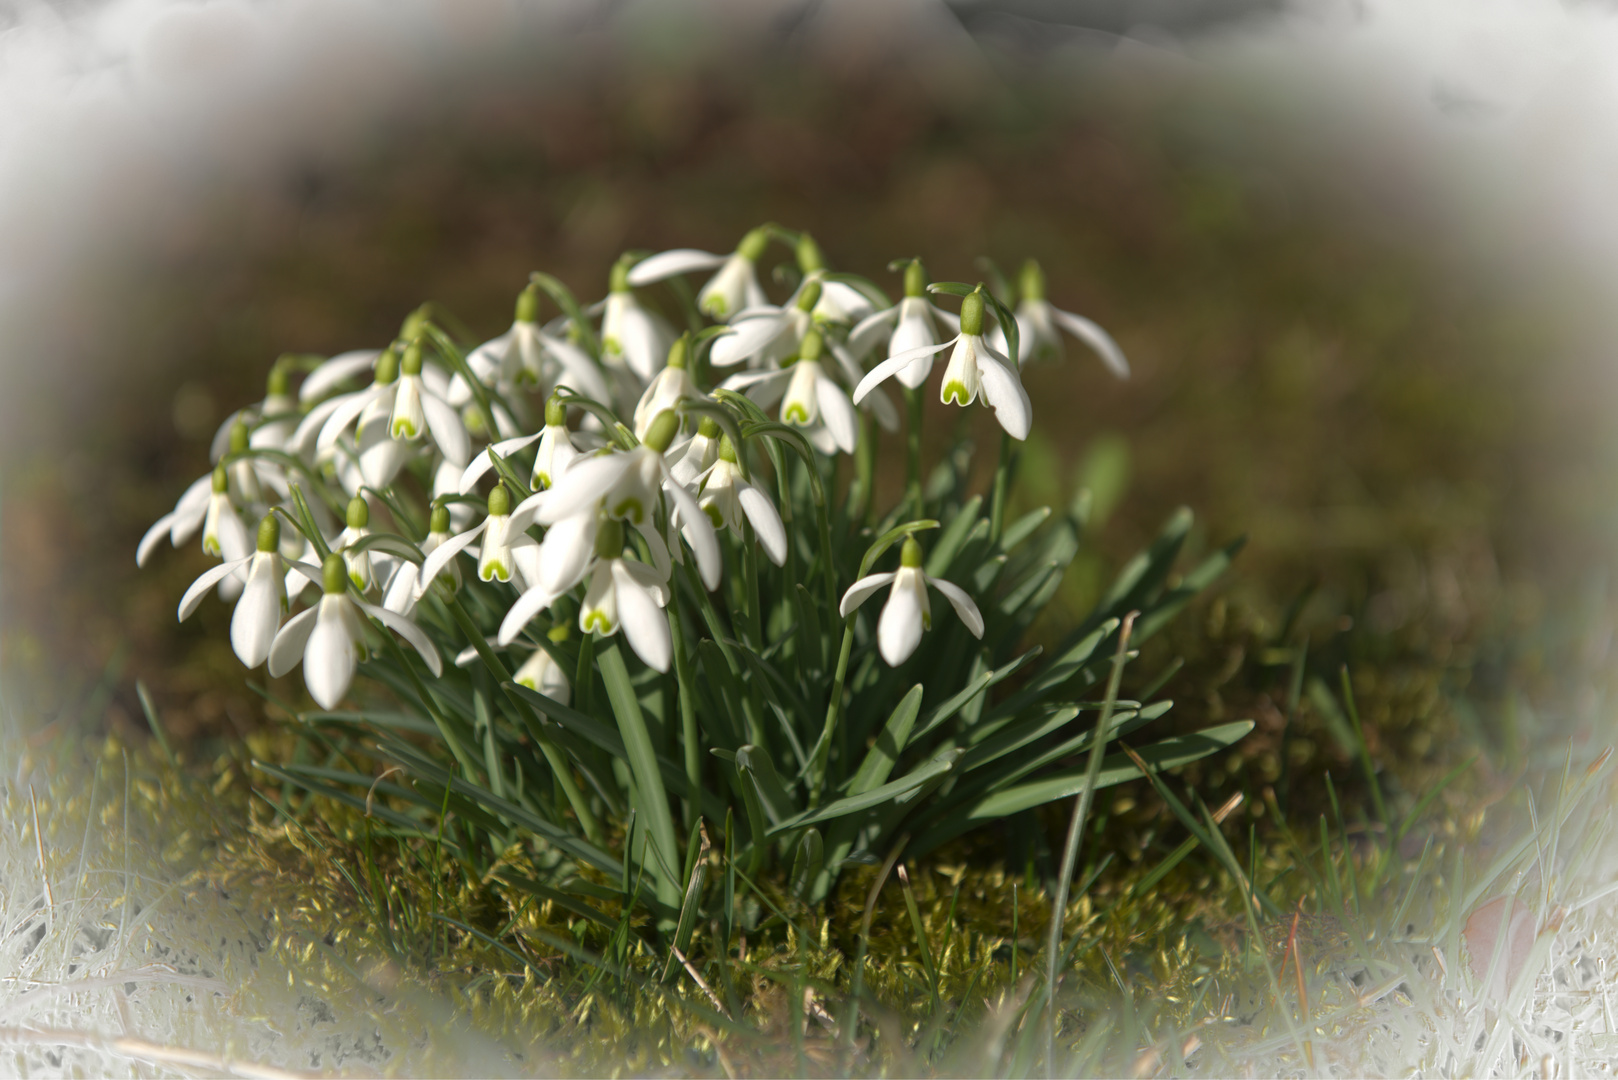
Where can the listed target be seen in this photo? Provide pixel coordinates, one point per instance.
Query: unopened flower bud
(499, 501)
(269, 533)
(662, 431)
(359, 514)
(972, 313)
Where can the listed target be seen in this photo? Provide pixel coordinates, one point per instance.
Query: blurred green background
(1415, 443)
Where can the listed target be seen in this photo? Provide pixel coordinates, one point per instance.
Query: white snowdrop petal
(329, 656)
(302, 440)
(159, 530)
(333, 372)
(410, 632)
(439, 559)
(643, 342)
(1005, 394)
(766, 521)
(1095, 337)
(750, 335)
(234, 540)
(698, 532)
(286, 651)
(667, 264)
(448, 431)
(643, 620)
(898, 631)
(860, 591)
(961, 602)
(871, 330)
(580, 374)
(381, 456)
(346, 412)
(528, 605)
(648, 578)
(895, 364)
(525, 512)
(584, 482)
(838, 413)
(199, 588)
(482, 463)
(258, 612)
(401, 595)
(565, 554)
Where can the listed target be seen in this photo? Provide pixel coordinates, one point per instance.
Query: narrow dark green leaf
(642, 759)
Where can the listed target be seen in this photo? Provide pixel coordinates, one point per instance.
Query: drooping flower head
(668, 388)
(908, 612)
(728, 496)
(1039, 324)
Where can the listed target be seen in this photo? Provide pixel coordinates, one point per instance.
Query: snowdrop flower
(418, 410)
(223, 534)
(402, 593)
(272, 421)
(727, 496)
(626, 485)
(1038, 323)
(974, 367)
(526, 354)
(334, 372)
(374, 456)
(258, 612)
(907, 611)
(668, 387)
(910, 326)
(839, 301)
(507, 552)
(541, 672)
(734, 288)
(627, 595)
(556, 452)
(632, 336)
(329, 638)
(810, 398)
(767, 335)
(698, 454)
(360, 570)
(181, 523)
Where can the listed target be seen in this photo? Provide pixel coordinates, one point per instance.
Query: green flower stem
(834, 711)
(1075, 833)
(860, 488)
(913, 406)
(690, 740)
(1002, 487)
(753, 614)
(553, 754)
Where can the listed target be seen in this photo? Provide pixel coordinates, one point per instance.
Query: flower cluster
(698, 486)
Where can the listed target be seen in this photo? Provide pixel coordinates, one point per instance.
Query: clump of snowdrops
(616, 579)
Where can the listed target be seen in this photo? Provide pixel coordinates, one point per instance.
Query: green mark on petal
(955, 391)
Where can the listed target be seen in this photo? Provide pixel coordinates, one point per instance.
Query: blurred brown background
(1316, 364)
